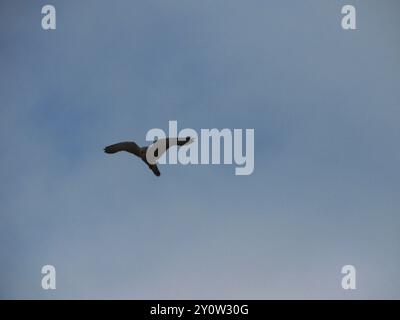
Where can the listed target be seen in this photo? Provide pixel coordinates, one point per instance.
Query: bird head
(189, 140)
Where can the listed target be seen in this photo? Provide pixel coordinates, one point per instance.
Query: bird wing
(128, 146)
(153, 167)
(159, 147)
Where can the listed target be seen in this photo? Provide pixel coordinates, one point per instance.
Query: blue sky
(324, 104)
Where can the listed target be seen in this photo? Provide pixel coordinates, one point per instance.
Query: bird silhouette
(151, 153)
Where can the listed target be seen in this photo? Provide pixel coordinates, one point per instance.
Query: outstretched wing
(128, 146)
(153, 167)
(159, 147)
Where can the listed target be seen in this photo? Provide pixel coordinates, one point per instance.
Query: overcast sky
(324, 104)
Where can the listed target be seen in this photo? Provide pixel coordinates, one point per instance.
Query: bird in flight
(151, 153)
